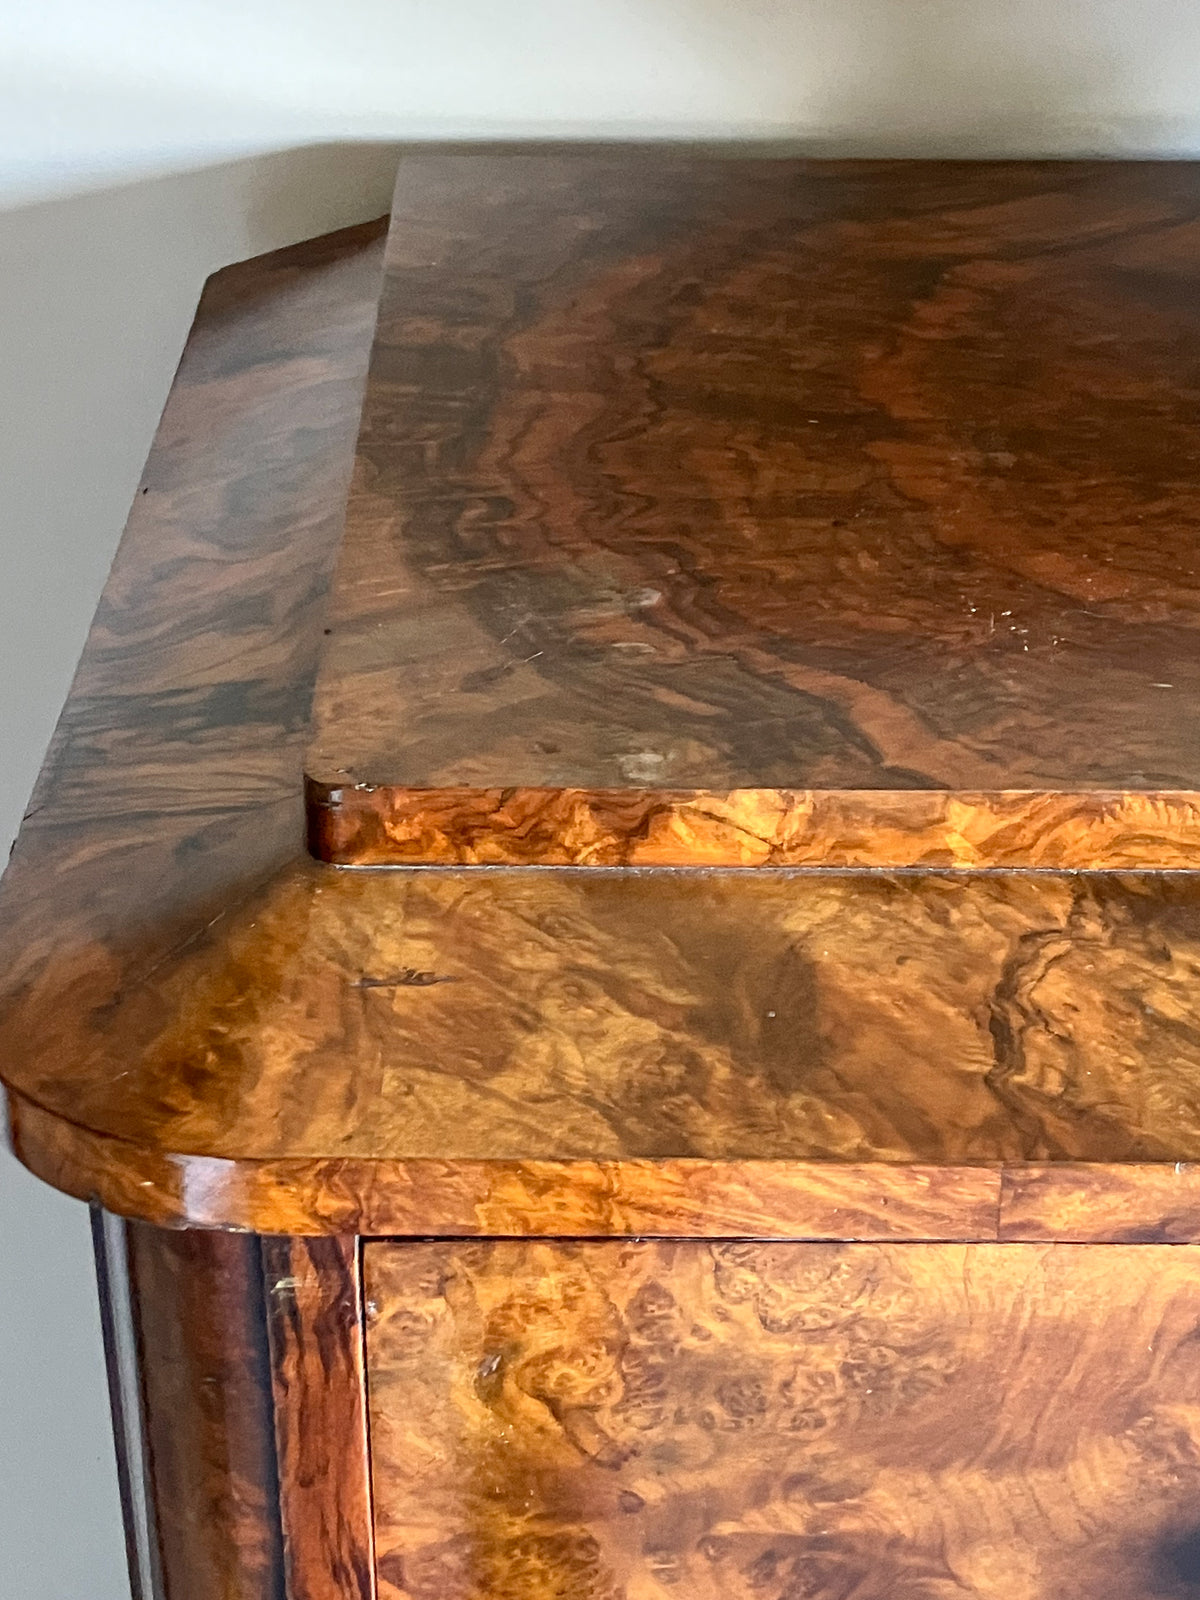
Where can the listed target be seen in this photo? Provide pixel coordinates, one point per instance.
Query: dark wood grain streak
(206, 1380)
(314, 1319)
(761, 511)
(779, 1422)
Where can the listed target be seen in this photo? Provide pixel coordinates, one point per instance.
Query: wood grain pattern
(636, 1420)
(200, 1023)
(1130, 1204)
(604, 1021)
(385, 826)
(454, 1198)
(314, 1322)
(172, 784)
(731, 512)
(614, 1019)
(206, 1381)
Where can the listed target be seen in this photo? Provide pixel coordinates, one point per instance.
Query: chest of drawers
(629, 1016)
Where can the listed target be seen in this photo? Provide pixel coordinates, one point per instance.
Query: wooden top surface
(199, 1023)
(764, 511)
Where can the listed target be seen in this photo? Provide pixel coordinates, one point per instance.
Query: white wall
(118, 124)
(135, 84)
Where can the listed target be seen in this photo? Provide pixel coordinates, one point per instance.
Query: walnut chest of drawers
(614, 936)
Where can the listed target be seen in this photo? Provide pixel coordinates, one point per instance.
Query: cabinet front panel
(733, 1421)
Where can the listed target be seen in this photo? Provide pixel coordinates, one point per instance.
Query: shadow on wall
(98, 293)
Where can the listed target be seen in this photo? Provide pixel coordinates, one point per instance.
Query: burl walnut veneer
(501, 1193)
(737, 512)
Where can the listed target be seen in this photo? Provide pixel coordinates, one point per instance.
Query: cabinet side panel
(315, 1324)
(206, 1385)
(747, 1421)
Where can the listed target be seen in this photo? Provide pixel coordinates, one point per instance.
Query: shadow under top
(201, 1024)
(773, 512)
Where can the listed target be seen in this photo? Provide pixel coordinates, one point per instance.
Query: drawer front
(733, 1421)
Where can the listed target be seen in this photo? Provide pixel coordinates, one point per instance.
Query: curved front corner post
(185, 1334)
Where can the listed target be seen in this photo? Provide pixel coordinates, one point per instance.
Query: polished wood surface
(206, 1387)
(199, 1023)
(173, 782)
(765, 511)
(727, 1207)
(384, 826)
(666, 1197)
(541, 1051)
(605, 1421)
(1101, 1204)
(313, 1296)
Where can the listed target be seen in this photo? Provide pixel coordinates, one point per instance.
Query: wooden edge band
(672, 1198)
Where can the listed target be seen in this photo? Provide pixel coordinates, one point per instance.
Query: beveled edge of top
(1036, 1202)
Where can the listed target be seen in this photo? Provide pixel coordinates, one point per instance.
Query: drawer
(627, 1420)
